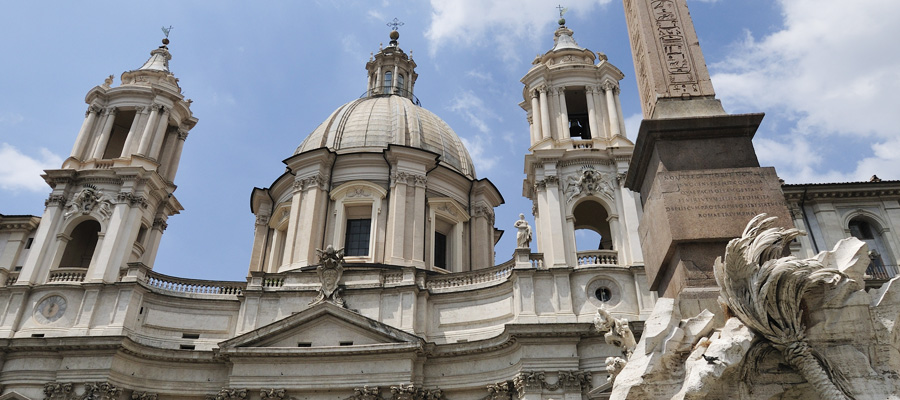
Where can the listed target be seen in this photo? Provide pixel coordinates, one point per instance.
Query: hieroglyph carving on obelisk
(668, 62)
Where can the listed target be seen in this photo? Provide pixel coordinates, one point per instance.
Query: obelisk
(694, 165)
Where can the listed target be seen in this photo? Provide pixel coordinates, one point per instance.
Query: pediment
(323, 326)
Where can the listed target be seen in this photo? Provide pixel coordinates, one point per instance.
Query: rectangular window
(440, 250)
(356, 240)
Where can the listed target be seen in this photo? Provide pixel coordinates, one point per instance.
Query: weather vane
(562, 10)
(395, 24)
(167, 30)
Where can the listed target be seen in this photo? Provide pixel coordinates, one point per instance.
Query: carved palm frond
(765, 291)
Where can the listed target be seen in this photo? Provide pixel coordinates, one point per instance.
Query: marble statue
(523, 236)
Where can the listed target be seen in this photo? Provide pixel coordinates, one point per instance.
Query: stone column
(176, 155)
(51, 220)
(310, 220)
(154, 235)
(132, 131)
(609, 88)
(614, 231)
(379, 78)
(418, 256)
(563, 113)
(290, 241)
(555, 113)
(12, 249)
(592, 112)
(545, 113)
(149, 128)
(394, 80)
(118, 238)
(555, 221)
(260, 233)
(100, 146)
(537, 117)
(531, 129)
(90, 116)
(396, 223)
(571, 245)
(162, 125)
(276, 252)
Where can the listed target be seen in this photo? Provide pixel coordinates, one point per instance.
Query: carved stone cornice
(527, 382)
(500, 391)
(160, 224)
(92, 391)
(484, 211)
(409, 179)
(318, 181)
(271, 393)
(93, 109)
(412, 392)
(55, 200)
(228, 393)
(144, 396)
(131, 199)
(366, 393)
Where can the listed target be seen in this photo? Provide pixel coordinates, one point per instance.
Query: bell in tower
(113, 195)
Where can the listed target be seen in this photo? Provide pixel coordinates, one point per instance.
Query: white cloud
(481, 150)
(11, 118)
(500, 23)
(376, 15)
(831, 72)
(473, 109)
(21, 172)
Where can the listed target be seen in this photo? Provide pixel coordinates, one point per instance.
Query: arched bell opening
(594, 241)
(79, 250)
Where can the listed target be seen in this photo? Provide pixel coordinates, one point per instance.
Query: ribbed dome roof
(375, 122)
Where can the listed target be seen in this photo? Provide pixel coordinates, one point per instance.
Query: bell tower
(112, 197)
(579, 155)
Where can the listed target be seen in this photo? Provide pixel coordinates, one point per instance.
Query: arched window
(388, 76)
(881, 265)
(80, 248)
(400, 87)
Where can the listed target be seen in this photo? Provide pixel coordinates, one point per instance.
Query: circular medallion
(50, 309)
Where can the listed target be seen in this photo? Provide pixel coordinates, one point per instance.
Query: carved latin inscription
(706, 195)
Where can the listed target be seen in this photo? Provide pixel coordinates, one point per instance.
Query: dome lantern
(391, 71)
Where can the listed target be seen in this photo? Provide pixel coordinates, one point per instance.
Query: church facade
(372, 271)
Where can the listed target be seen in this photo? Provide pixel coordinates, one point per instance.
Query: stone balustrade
(171, 284)
(537, 260)
(11, 279)
(498, 273)
(597, 257)
(66, 276)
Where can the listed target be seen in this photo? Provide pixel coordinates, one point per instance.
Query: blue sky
(263, 76)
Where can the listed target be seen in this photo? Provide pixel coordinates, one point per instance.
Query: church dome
(374, 122)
